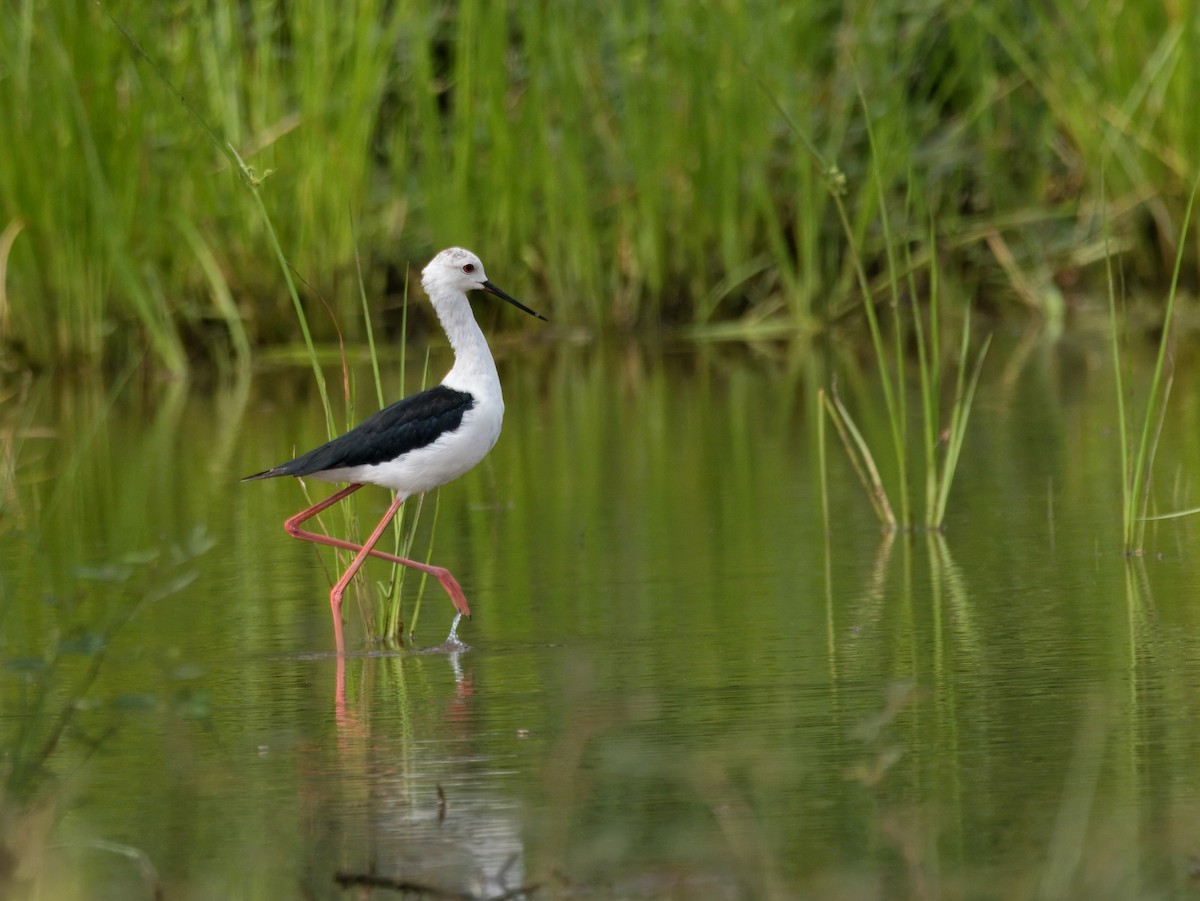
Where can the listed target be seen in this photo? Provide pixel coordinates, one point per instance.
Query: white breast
(442, 461)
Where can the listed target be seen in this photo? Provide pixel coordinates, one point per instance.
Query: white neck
(473, 370)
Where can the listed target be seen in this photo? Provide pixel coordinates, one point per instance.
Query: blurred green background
(645, 165)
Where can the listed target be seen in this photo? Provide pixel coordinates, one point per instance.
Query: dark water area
(680, 684)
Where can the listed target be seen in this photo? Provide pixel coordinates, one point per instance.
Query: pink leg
(292, 525)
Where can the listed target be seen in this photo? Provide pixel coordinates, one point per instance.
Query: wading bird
(422, 441)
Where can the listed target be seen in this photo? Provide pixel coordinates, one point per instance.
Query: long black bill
(492, 289)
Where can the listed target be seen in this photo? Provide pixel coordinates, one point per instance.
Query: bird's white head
(456, 271)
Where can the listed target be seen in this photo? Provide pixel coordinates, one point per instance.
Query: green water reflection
(679, 686)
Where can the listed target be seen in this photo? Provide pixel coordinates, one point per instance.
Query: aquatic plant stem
(1114, 334)
(893, 396)
(822, 465)
(1156, 402)
(929, 374)
(964, 399)
(437, 503)
(861, 459)
(252, 181)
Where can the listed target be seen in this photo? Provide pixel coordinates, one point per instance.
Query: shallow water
(679, 685)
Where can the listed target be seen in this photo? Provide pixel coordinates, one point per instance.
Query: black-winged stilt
(418, 443)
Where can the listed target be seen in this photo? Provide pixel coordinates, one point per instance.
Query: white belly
(442, 461)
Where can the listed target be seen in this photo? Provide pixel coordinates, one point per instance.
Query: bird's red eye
(468, 267)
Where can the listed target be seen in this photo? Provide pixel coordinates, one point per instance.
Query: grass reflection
(682, 672)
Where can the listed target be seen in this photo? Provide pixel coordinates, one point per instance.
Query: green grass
(941, 441)
(942, 430)
(1137, 457)
(632, 163)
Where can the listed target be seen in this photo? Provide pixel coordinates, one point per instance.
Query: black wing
(404, 426)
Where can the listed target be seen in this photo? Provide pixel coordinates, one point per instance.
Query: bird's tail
(273, 472)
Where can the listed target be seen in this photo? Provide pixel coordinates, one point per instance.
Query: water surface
(680, 684)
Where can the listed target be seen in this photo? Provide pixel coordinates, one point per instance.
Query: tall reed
(623, 155)
(939, 471)
(1137, 459)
